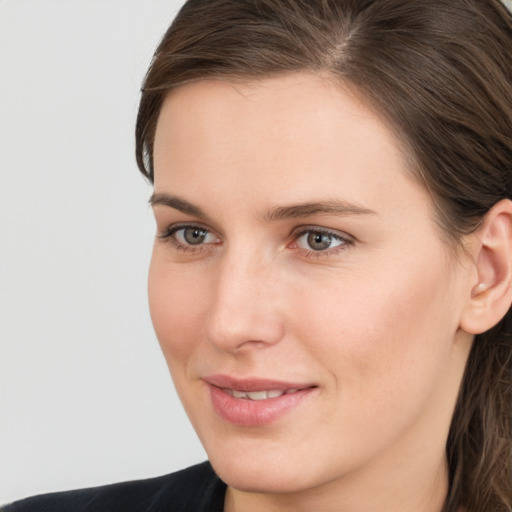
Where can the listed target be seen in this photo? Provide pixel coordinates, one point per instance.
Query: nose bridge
(244, 310)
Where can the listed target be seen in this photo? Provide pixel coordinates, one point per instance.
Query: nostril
(243, 332)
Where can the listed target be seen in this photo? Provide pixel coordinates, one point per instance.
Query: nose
(245, 311)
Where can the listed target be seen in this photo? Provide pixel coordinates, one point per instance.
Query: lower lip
(254, 413)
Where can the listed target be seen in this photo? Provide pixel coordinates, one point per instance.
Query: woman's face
(303, 299)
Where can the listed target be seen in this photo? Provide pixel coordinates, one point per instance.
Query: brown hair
(440, 72)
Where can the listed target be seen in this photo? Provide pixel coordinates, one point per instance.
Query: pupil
(319, 241)
(194, 236)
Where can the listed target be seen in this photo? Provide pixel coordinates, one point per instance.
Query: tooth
(290, 391)
(228, 391)
(274, 393)
(239, 394)
(257, 395)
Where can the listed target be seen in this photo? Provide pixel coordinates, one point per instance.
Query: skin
(374, 321)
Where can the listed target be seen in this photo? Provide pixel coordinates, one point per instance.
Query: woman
(331, 276)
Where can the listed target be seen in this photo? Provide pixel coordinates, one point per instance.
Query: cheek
(383, 338)
(176, 305)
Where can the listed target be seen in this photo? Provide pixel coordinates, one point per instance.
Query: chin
(265, 472)
(259, 480)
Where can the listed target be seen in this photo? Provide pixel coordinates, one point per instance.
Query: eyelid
(167, 235)
(298, 232)
(301, 230)
(175, 226)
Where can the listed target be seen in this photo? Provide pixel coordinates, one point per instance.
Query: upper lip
(253, 384)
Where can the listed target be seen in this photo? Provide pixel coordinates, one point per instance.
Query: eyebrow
(177, 203)
(296, 211)
(329, 206)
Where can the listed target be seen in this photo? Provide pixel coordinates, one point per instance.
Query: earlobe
(491, 293)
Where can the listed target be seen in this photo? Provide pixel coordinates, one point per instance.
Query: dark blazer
(195, 489)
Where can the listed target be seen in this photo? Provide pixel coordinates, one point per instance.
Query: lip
(247, 412)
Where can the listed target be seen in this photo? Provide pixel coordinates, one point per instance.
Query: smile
(258, 395)
(254, 402)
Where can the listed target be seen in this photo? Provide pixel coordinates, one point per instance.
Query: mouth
(259, 395)
(254, 402)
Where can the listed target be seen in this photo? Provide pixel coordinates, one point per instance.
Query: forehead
(299, 133)
(288, 106)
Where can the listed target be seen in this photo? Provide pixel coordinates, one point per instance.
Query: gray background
(85, 396)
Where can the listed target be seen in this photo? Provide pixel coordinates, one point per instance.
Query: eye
(319, 240)
(193, 235)
(188, 237)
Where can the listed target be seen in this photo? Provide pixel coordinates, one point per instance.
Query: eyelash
(344, 240)
(169, 236)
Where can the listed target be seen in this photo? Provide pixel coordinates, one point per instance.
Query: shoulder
(196, 488)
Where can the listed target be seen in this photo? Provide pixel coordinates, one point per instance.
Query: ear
(491, 286)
